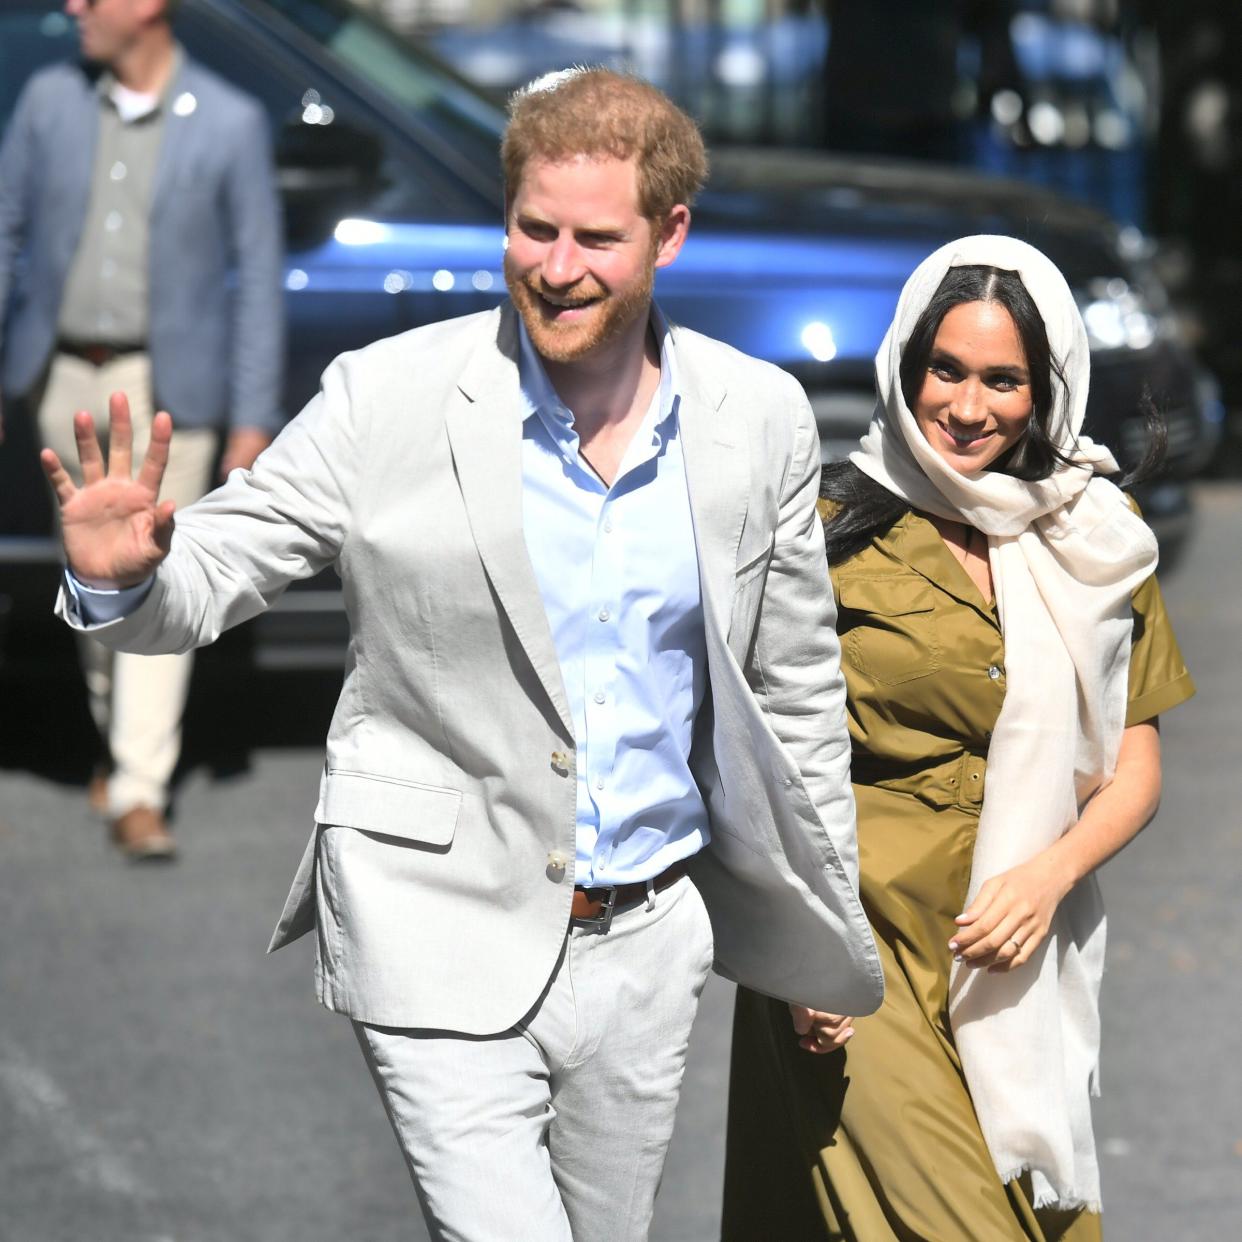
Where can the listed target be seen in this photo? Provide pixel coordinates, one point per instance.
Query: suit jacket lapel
(485, 435)
(718, 478)
(81, 141)
(181, 106)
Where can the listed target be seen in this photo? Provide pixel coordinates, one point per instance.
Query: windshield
(437, 100)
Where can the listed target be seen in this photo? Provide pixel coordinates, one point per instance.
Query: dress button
(599, 782)
(604, 614)
(608, 526)
(599, 696)
(994, 673)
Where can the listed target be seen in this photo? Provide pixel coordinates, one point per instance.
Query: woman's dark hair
(867, 509)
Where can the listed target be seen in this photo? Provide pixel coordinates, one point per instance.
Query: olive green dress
(879, 1141)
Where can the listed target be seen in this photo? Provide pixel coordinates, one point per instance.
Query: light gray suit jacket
(450, 773)
(216, 272)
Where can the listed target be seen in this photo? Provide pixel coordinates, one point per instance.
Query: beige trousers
(137, 701)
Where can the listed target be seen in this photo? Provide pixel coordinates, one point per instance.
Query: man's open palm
(115, 529)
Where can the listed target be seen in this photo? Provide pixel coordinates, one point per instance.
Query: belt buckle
(598, 924)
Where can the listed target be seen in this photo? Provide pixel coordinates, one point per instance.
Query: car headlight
(1118, 316)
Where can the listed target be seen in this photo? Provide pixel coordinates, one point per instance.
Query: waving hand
(116, 530)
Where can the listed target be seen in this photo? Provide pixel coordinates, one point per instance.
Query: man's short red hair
(601, 113)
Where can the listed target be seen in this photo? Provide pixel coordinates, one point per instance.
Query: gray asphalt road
(161, 1080)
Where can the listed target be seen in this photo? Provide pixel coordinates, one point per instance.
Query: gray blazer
(430, 877)
(216, 278)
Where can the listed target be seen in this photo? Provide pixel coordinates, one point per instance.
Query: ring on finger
(1017, 944)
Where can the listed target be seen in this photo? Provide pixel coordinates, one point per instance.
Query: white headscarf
(1065, 554)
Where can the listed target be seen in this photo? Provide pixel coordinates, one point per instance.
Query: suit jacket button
(560, 762)
(557, 862)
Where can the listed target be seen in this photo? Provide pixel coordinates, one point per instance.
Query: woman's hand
(820, 1032)
(1011, 915)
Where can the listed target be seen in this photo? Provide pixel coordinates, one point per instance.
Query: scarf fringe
(1068, 1201)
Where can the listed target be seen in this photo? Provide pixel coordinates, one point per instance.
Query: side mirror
(324, 172)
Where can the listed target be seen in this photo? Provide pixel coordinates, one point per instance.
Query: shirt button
(112, 221)
(608, 526)
(604, 614)
(599, 782)
(787, 782)
(599, 696)
(994, 673)
(118, 171)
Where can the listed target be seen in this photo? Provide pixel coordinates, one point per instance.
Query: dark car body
(393, 208)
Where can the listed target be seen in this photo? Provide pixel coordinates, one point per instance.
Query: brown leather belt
(594, 907)
(97, 353)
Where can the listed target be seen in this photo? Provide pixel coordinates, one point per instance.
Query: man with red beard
(591, 738)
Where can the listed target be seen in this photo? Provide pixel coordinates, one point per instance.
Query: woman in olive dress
(1006, 655)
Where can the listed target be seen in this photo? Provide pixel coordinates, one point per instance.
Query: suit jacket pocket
(389, 805)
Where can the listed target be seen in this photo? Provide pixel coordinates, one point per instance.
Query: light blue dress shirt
(618, 570)
(97, 605)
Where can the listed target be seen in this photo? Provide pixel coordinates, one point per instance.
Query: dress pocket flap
(893, 595)
(388, 805)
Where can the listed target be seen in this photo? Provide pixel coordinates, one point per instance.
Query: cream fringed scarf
(1065, 554)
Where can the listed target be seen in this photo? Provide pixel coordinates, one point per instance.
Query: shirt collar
(541, 398)
(106, 85)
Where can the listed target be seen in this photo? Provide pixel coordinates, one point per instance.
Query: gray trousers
(556, 1130)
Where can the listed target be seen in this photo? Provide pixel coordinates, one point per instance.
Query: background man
(130, 186)
(592, 733)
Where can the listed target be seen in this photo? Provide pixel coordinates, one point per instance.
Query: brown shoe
(142, 836)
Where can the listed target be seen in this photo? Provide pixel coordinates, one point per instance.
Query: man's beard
(568, 342)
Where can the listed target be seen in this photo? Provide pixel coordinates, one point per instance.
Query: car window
(412, 184)
(396, 65)
(447, 112)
